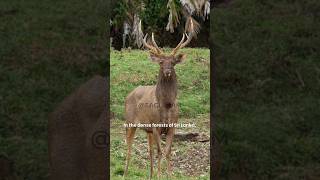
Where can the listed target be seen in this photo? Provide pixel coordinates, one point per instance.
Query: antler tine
(189, 37)
(152, 49)
(155, 44)
(187, 41)
(175, 50)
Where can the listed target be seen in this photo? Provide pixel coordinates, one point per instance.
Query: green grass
(131, 68)
(268, 82)
(47, 49)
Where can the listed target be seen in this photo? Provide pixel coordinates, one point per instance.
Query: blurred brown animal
(156, 104)
(77, 134)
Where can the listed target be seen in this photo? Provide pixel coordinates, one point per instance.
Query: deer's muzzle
(167, 73)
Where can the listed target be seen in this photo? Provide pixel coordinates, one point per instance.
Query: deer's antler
(152, 49)
(182, 43)
(155, 45)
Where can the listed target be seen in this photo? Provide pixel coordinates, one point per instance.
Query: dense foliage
(166, 19)
(154, 14)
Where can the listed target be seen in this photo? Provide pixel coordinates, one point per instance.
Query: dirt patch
(190, 157)
(194, 161)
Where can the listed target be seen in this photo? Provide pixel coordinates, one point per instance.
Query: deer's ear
(180, 58)
(155, 58)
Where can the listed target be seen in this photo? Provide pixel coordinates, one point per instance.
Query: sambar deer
(150, 105)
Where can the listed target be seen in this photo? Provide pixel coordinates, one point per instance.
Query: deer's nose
(167, 72)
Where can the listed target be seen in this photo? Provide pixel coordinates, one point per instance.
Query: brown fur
(71, 127)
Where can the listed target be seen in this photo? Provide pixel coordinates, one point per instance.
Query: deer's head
(166, 61)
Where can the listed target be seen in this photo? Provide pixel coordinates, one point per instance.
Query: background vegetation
(47, 49)
(154, 17)
(268, 80)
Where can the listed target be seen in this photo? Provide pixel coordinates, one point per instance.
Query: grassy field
(268, 79)
(131, 68)
(47, 49)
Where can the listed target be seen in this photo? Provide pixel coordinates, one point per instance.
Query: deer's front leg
(150, 142)
(158, 143)
(129, 140)
(169, 140)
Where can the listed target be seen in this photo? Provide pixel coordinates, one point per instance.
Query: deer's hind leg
(150, 142)
(157, 139)
(129, 140)
(169, 140)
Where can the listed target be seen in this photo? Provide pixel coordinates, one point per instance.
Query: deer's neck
(166, 88)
